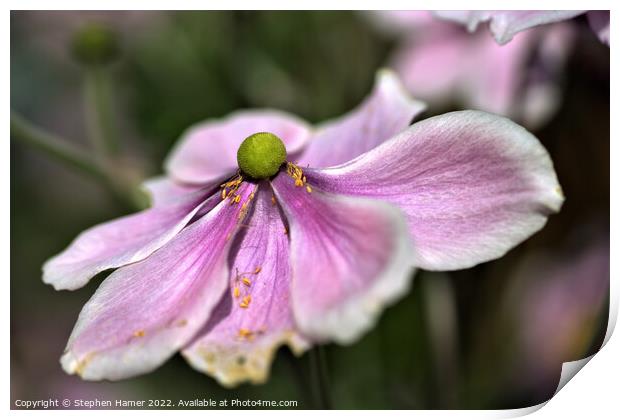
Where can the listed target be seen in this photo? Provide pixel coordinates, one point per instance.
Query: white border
(593, 393)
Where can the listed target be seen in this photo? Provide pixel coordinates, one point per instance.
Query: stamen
(246, 281)
(236, 292)
(298, 176)
(257, 270)
(245, 333)
(246, 302)
(230, 188)
(139, 333)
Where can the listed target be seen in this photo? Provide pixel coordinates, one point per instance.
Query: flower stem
(319, 378)
(55, 147)
(99, 117)
(62, 151)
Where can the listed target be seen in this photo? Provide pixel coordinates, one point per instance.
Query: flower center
(261, 155)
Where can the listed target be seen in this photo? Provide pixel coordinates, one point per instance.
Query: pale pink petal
(350, 257)
(239, 343)
(599, 22)
(519, 80)
(435, 65)
(387, 110)
(505, 24)
(121, 241)
(496, 74)
(472, 185)
(208, 151)
(143, 313)
(401, 21)
(164, 190)
(468, 18)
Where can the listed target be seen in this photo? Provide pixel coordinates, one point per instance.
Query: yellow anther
(257, 270)
(236, 292)
(308, 188)
(139, 333)
(273, 200)
(246, 281)
(246, 302)
(237, 198)
(230, 189)
(245, 333)
(296, 173)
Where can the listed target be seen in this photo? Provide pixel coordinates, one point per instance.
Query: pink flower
(557, 301)
(505, 24)
(441, 63)
(226, 269)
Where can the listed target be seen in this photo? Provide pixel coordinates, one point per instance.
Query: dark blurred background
(490, 337)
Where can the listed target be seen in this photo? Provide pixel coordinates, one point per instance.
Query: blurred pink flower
(441, 62)
(227, 268)
(558, 305)
(505, 24)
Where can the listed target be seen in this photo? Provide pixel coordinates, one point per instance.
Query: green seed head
(95, 45)
(261, 155)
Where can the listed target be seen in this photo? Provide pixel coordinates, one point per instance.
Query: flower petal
(143, 313)
(388, 110)
(599, 22)
(434, 63)
(208, 151)
(505, 24)
(164, 190)
(122, 241)
(350, 257)
(239, 343)
(472, 185)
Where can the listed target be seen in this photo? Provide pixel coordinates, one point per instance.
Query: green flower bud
(95, 45)
(261, 155)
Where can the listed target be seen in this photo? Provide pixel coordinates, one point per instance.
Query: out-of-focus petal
(542, 75)
(143, 313)
(350, 257)
(519, 80)
(388, 110)
(401, 21)
(505, 24)
(121, 241)
(468, 18)
(240, 340)
(599, 22)
(434, 66)
(208, 151)
(472, 185)
(556, 299)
